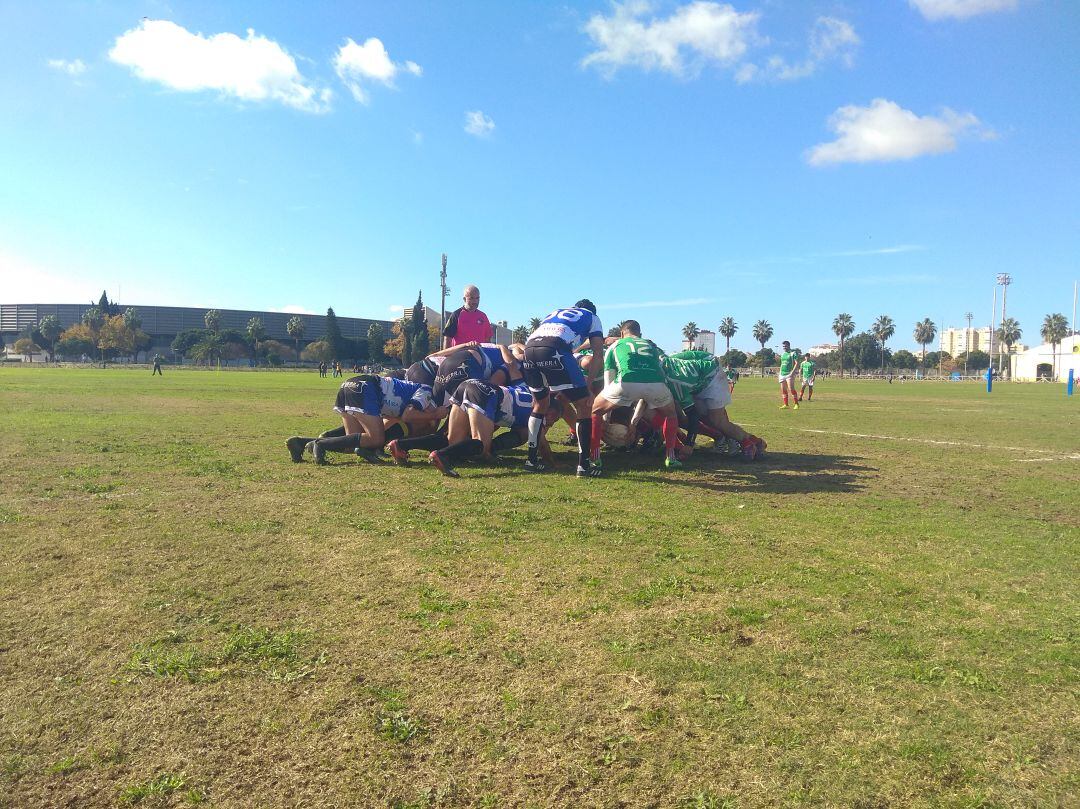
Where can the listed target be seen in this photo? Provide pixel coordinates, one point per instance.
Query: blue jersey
(516, 406)
(397, 394)
(573, 326)
(494, 358)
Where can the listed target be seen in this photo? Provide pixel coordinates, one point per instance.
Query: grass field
(882, 613)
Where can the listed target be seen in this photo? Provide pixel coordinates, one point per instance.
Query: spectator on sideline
(467, 323)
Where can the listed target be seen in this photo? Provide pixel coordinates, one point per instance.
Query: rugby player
(480, 408)
(633, 372)
(483, 361)
(550, 366)
(788, 362)
(704, 394)
(364, 401)
(809, 372)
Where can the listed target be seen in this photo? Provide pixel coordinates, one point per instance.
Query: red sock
(597, 435)
(785, 398)
(671, 436)
(708, 430)
(657, 421)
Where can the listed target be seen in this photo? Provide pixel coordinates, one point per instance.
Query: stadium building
(163, 323)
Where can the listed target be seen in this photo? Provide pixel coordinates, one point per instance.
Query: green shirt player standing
(789, 361)
(633, 373)
(809, 371)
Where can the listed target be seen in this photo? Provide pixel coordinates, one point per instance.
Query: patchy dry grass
(871, 617)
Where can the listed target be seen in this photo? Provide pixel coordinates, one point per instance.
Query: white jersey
(573, 326)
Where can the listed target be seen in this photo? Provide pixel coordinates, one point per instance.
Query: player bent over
(789, 361)
(483, 361)
(809, 372)
(481, 408)
(364, 401)
(703, 392)
(549, 365)
(632, 373)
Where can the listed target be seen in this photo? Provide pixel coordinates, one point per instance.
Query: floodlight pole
(967, 341)
(1003, 279)
(442, 287)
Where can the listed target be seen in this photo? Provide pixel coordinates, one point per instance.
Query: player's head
(806, 356)
(630, 328)
(397, 373)
(585, 303)
(471, 296)
(787, 345)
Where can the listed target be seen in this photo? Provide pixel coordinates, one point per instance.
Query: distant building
(705, 341)
(163, 323)
(1038, 362)
(959, 341)
(822, 348)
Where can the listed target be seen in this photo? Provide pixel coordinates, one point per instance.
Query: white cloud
(476, 123)
(251, 69)
(880, 251)
(293, 309)
(398, 309)
(73, 68)
(656, 304)
(695, 34)
(357, 65)
(960, 9)
(830, 39)
(885, 131)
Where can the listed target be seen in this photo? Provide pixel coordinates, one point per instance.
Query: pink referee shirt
(464, 326)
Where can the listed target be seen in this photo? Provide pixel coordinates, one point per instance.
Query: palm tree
(1055, 328)
(534, 324)
(520, 334)
(727, 329)
(925, 332)
(689, 332)
(1009, 333)
(209, 348)
(843, 327)
(255, 333)
(883, 329)
(763, 332)
(50, 330)
(295, 327)
(212, 318)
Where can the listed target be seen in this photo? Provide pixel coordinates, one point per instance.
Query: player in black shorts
(550, 366)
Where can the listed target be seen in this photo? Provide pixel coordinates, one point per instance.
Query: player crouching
(364, 402)
(481, 408)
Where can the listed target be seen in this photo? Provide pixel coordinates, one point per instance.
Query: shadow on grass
(777, 472)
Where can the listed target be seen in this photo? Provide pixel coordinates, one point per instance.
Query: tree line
(868, 350)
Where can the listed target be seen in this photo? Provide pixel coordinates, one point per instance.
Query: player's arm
(596, 343)
(414, 413)
(446, 352)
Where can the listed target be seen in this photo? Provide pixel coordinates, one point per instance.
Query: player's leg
(537, 356)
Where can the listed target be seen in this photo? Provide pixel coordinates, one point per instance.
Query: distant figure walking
(157, 366)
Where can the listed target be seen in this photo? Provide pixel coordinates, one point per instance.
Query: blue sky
(671, 161)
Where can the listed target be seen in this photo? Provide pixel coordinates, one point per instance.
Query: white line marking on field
(926, 441)
(1075, 457)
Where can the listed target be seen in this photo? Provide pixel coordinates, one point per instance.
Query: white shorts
(716, 395)
(808, 382)
(626, 394)
(789, 378)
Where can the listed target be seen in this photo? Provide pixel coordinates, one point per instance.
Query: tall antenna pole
(442, 286)
(993, 316)
(967, 340)
(1004, 279)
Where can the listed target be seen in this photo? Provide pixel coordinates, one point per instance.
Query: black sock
(462, 449)
(583, 430)
(504, 441)
(336, 432)
(342, 443)
(394, 432)
(428, 442)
